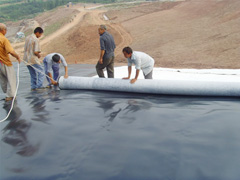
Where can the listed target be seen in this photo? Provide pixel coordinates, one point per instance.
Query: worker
(32, 55)
(141, 60)
(52, 61)
(107, 47)
(7, 73)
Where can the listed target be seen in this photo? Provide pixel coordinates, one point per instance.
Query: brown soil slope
(190, 34)
(81, 43)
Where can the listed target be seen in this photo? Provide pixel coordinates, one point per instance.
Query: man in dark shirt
(106, 59)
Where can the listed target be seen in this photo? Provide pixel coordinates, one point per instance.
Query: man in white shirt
(52, 61)
(141, 60)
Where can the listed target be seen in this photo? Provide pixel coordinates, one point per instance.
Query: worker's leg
(99, 69)
(3, 78)
(55, 68)
(33, 77)
(11, 77)
(40, 75)
(110, 68)
(46, 71)
(148, 76)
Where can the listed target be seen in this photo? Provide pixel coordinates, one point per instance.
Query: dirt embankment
(188, 34)
(191, 34)
(80, 44)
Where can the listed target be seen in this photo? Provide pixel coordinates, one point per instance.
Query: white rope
(13, 97)
(17, 88)
(38, 70)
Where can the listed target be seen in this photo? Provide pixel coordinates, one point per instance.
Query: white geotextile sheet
(183, 74)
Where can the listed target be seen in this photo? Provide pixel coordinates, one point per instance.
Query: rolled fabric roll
(155, 86)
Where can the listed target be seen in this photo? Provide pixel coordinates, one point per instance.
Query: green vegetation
(10, 1)
(54, 27)
(29, 8)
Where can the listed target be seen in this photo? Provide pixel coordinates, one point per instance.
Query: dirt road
(86, 17)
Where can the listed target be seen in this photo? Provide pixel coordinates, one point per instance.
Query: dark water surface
(87, 135)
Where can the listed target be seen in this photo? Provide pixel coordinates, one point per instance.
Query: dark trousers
(55, 68)
(148, 76)
(108, 63)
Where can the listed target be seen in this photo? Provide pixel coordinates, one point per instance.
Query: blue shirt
(50, 62)
(107, 43)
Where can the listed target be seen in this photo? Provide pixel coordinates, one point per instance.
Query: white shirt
(50, 62)
(31, 46)
(142, 61)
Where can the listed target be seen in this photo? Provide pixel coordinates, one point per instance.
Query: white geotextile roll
(170, 87)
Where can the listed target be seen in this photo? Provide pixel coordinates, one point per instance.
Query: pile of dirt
(192, 34)
(81, 43)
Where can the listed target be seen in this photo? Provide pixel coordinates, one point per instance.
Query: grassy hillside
(3, 2)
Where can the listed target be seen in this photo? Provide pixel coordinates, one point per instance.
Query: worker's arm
(66, 72)
(136, 76)
(129, 72)
(14, 54)
(101, 56)
(51, 79)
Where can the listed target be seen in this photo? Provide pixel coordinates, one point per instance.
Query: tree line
(29, 8)
(10, 1)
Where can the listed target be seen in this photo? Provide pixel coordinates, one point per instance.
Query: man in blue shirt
(52, 61)
(106, 59)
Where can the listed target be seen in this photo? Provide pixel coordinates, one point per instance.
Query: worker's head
(38, 32)
(102, 29)
(3, 28)
(127, 52)
(56, 58)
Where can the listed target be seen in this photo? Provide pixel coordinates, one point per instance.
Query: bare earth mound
(187, 34)
(191, 34)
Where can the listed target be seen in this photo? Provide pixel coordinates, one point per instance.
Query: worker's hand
(54, 82)
(65, 76)
(100, 61)
(133, 81)
(126, 78)
(19, 60)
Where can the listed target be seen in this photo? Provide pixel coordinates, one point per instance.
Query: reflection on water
(15, 132)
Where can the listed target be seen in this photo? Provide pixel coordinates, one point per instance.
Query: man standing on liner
(7, 73)
(141, 60)
(107, 47)
(31, 56)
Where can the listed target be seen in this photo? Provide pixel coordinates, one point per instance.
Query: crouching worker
(52, 61)
(141, 60)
